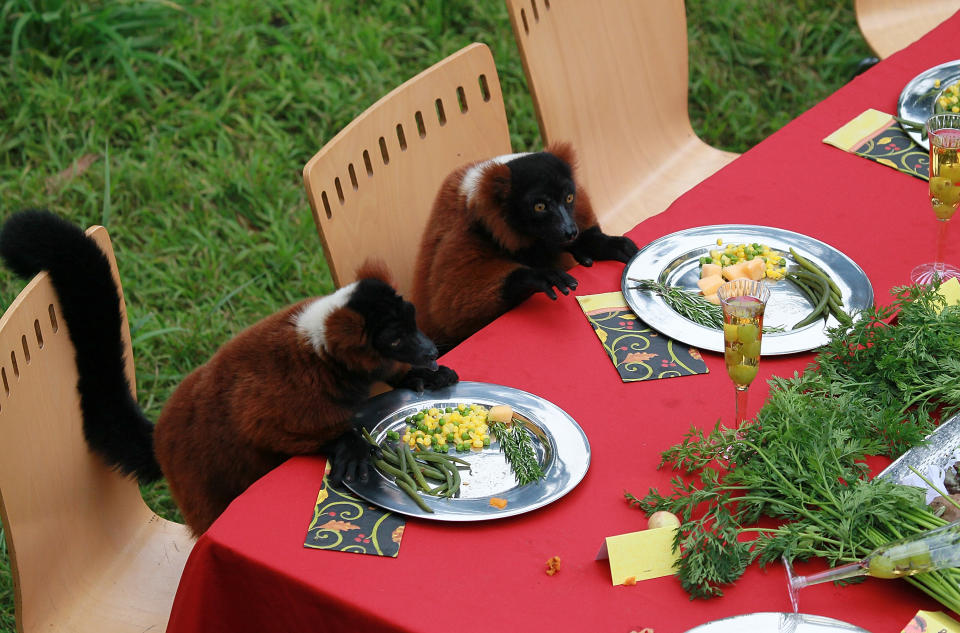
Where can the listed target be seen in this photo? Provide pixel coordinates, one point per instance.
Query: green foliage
(191, 123)
(872, 391)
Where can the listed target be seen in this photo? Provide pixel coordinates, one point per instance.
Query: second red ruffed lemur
(501, 230)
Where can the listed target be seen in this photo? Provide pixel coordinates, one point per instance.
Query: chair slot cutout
(53, 319)
(536, 13)
(336, 183)
(523, 18)
(39, 333)
(26, 349)
(421, 128)
(353, 176)
(401, 138)
(326, 204)
(384, 154)
(13, 363)
(462, 99)
(441, 115)
(484, 88)
(367, 163)
(6, 384)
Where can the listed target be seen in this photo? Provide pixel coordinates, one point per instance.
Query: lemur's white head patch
(471, 179)
(311, 322)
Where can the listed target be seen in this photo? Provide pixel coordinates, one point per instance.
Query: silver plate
(561, 445)
(674, 260)
(777, 623)
(936, 450)
(919, 96)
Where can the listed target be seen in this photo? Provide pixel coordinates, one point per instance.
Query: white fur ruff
(471, 179)
(311, 322)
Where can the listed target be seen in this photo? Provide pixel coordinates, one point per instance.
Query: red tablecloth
(250, 571)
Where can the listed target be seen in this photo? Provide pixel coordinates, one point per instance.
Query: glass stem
(849, 570)
(741, 404)
(938, 263)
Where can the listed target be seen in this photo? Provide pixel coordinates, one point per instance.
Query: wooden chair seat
(86, 553)
(889, 25)
(610, 77)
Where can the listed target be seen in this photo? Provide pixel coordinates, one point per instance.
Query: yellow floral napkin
(877, 135)
(637, 351)
(345, 523)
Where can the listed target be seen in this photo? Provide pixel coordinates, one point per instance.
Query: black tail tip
(26, 231)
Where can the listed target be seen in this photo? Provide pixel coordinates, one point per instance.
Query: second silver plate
(675, 260)
(918, 99)
(561, 446)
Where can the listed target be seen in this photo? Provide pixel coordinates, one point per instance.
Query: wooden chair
(86, 553)
(611, 76)
(372, 186)
(889, 25)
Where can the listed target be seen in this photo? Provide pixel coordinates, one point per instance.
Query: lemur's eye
(569, 198)
(395, 343)
(539, 206)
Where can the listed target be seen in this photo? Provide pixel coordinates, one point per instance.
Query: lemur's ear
(564, 151)
(494, 184)
(375, 268)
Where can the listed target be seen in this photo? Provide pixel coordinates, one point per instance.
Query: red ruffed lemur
(501, 230)
(288, 385)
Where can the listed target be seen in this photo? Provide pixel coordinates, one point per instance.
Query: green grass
(199, 118)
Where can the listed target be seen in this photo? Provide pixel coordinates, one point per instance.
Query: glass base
(923, 274)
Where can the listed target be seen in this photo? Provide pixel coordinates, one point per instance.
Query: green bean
(402, 460)
(821, 302)
(839, 313)
(407, 488)
(439, 490)
(397, 473)
(816, 270)
(415, 468)
(431, 472)
(805, 288)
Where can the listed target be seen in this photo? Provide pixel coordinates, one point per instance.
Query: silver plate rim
(567, 468)
(653, 260)
(917, 99)
(776, 622)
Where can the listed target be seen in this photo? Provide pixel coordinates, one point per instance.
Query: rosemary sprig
(516, 447)
(686, 303)
(691, 305)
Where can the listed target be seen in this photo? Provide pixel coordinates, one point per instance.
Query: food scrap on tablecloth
(553, 565)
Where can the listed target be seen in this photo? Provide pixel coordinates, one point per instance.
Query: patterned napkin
(638, 352)
(877, 135)
(345, 523)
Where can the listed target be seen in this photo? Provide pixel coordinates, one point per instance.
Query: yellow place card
(859, 130)
(950, 289)
(931, 622)
(640, 555)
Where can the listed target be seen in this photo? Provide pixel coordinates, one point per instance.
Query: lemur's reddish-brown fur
(288, 385)
(460, 274)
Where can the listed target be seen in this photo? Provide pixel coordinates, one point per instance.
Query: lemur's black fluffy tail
(113, 423)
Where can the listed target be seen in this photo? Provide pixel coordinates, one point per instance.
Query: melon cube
(712, 299)
(735, 271)
(709, 270)
(709, 285)
(756, 268)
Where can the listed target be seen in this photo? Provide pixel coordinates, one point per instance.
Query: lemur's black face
(391, 324)
(541, 199)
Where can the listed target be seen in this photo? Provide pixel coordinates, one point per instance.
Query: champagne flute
(934, 549)
(943, 132)
(743, 302)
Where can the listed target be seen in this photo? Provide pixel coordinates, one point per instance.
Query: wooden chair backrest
(889, 25)
(68, 519)
(610, 76)
(372, 186)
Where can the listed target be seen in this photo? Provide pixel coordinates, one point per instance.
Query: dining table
(251, 572)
